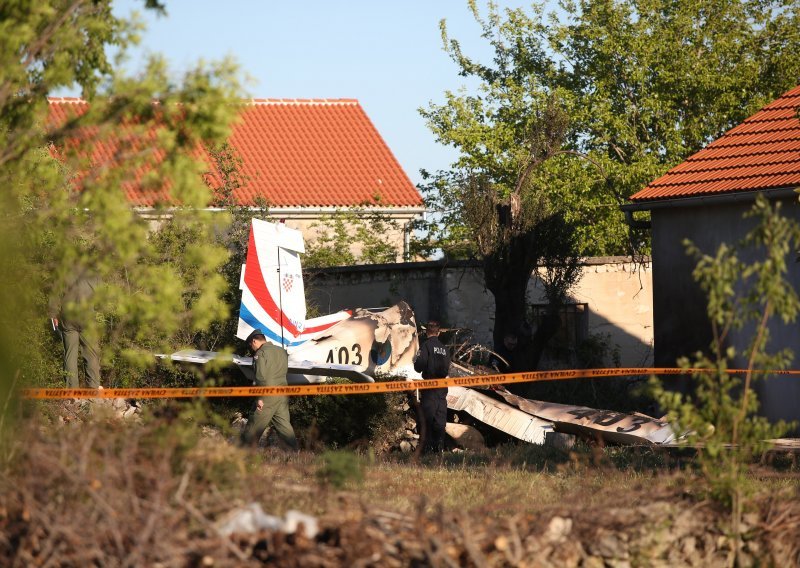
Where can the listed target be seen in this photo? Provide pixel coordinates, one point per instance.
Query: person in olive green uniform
(271, 363)
(70, 314)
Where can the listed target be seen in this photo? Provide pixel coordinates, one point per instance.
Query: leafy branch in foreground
(72, 172)
(742, 296)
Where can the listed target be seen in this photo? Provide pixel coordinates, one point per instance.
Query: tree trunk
(507, 273)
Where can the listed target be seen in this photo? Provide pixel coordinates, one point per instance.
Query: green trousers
(75, 343)
(276, 411)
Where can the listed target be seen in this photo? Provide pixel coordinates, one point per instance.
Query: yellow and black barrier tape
(363, 388)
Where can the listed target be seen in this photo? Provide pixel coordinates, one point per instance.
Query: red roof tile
(300, 153)
(761, 153)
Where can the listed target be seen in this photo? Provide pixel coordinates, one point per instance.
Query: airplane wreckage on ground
(361, 344)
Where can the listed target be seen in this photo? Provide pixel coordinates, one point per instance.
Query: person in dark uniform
(433, 361)
(510, 355)
(70, 314)
(271, 364)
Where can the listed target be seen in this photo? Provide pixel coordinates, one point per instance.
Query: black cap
(254, 334)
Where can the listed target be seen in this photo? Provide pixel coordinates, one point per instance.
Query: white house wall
(312, 223)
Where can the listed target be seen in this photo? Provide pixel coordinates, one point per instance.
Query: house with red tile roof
(307, 158)
(703, 200)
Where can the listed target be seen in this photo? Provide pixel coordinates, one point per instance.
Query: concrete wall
(618, 294)
(620, 297)
(679, 306)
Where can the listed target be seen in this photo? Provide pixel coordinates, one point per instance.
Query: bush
(342, 421)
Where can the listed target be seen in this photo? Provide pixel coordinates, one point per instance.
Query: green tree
(578, 109)
(720, 415)
(494, 203)
(231, 232)
(72, 213)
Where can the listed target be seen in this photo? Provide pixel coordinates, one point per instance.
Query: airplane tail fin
(273, 296)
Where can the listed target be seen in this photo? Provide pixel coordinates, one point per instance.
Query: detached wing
(616, 427)
(301, 372)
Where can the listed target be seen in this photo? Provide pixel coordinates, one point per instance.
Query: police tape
(364, 388)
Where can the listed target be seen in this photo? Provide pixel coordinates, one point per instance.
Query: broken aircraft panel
(608, 425)
(498, 414)
(377, 342)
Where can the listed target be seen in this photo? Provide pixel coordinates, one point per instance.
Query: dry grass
(115, 494)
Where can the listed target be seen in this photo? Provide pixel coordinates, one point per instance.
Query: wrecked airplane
(361, 344)
(357, 344)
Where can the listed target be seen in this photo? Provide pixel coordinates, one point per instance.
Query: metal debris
(251, 519)
(498, 414)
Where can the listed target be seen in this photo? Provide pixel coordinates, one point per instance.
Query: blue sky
(386, 54)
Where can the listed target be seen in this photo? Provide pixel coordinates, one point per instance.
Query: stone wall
(617, 291)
